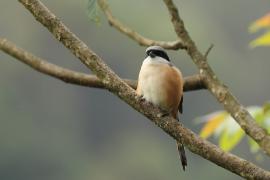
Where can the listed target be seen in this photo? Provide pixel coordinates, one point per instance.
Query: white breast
(152, 80)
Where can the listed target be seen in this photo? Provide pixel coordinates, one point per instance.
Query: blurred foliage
(228, 132)
(259, 24)
(93, 11)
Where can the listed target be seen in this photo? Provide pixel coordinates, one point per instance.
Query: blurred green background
(56, 131)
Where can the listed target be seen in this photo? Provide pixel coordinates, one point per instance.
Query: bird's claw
(142, 99)
(163, 113)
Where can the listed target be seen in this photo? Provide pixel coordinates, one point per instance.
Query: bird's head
(157, 51)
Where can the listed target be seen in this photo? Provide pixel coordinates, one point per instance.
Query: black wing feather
(181, 105)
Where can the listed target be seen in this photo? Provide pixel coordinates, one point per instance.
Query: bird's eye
(149, 53)
(152, 54)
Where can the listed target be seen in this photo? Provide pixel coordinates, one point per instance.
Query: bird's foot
(164, 113)
(142, 99)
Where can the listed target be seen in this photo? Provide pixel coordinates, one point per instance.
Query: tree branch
(191, 83)
(113, 83)
(216, 87)
(143, 41)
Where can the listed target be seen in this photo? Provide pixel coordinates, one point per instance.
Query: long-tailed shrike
(161, 83)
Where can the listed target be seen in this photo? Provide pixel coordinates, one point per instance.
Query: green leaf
(266, 113)
(266, 107)
(254, 147)
(228, 132)
(266, 122)
(263, 40)
(259, 117)
(93, 11)
(228, 141)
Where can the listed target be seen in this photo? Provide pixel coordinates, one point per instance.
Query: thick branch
(113, 83)
(192, 83)
(143, 41)
(216, 87)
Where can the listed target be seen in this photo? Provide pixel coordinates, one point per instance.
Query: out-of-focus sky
(57, 131)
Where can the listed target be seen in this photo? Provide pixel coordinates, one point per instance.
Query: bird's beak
(151, 54)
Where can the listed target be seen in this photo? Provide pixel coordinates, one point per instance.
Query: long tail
(181, 149)
(182, 154)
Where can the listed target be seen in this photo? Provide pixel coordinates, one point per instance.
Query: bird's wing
(180, 107)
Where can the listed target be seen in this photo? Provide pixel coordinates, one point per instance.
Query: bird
(161, 83)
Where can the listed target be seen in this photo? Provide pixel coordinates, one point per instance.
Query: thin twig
(216, 87)
(114, 84)
(143, 41)
(191, 83)
(208, 51)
